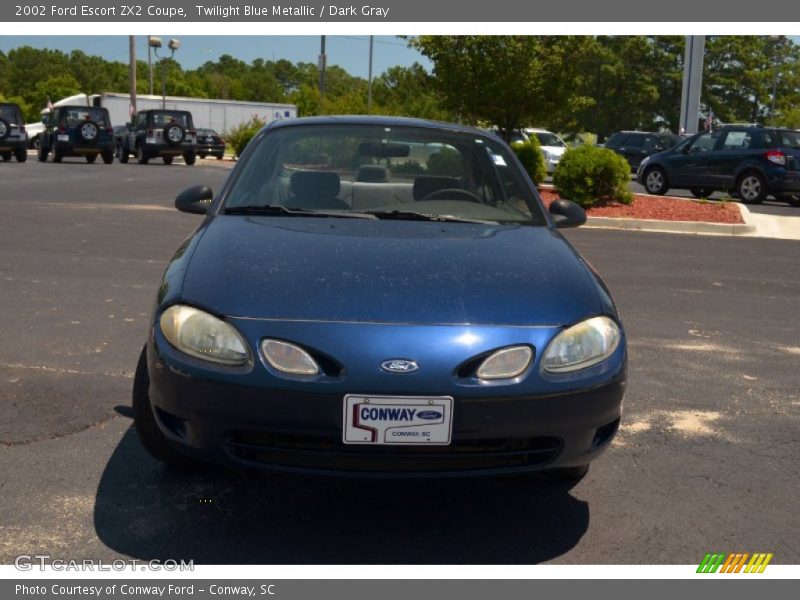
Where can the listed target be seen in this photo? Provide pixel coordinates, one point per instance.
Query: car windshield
(76, 116)
(207, 132)
(382, 171)
(162, 119)
(9, 113)
(548, 139)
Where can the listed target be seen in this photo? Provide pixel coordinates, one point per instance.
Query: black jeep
(77, 131)
(160, 133)
(13, 139)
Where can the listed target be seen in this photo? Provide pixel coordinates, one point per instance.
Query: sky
(350, 52)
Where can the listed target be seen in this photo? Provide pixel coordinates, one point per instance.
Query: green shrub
(240, 136)
(531, 157)
(590, 175)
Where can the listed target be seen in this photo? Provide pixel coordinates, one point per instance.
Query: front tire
(655, 181)
(167, 160)
(141, 155)
(108, 156)
(41, 153)
(122, 153)
(751, 188)
(91, 158)
(21, 154)
(144, 420)
(189, 158)
(6, 156)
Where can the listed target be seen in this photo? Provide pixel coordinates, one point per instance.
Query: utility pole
(369, 86)
(132, 52)
(323, 59)
(692, 82)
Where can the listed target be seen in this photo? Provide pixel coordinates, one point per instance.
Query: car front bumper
(299, 431)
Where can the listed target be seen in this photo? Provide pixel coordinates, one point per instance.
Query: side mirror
(195, 200)
(46, 120)
(567, 214)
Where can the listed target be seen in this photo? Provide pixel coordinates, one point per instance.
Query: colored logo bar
(739, 562)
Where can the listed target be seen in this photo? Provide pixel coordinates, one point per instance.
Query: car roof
(380, 121)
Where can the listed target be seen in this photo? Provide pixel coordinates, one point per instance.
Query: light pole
(173, 45)
(369, 85)
(152, 42)
(778, 41)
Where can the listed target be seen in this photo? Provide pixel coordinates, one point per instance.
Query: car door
(687, 165)
(736, 146)
(632, 148)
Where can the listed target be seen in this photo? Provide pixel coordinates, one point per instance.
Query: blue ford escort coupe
(380, 296)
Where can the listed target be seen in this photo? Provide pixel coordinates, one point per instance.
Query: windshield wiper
(278, 210)
(409, 215)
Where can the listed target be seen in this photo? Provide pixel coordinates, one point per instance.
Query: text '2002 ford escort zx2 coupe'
(380, 296)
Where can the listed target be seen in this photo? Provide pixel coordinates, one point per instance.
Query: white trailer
(220, 115)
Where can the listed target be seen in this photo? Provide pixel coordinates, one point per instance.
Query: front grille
(327, 452)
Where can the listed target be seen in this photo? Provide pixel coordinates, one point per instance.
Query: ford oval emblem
(399, 365)
(429, 415)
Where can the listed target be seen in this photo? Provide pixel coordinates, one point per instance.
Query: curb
(690, 227)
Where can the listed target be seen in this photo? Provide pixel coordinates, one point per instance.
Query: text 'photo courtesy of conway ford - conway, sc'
(377, 296)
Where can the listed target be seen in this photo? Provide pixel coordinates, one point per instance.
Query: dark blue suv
(749, 162)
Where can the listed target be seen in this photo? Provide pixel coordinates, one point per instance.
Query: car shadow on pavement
(218, 516)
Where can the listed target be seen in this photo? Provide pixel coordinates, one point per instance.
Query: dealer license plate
(409, 421)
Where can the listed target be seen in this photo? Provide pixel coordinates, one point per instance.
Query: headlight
(581, 346)
(506, 363)
(289, 358)
(202, 335)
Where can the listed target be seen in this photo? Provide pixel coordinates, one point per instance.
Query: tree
(627, 77)
(409, 91)
(740, 74)
(509, 81)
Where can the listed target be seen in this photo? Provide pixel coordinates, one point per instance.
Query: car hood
(387, 271)
(554, 150)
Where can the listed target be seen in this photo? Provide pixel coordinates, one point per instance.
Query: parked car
(385, 296)
(77, 131)
(552, 146)
(636, 145)
(160, 133)
(749, 162)
(13, 139)
(210, 143)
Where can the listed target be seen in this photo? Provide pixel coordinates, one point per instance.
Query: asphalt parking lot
(706, 459)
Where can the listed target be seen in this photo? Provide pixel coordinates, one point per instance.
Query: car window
(704, 142)
(668, 141)
(633, 141)
(73, 116)
(548, 139)
(381, 168)
(651, 142)
(737, 140)
(783, 138)
(163, 118)
(10, 113)
(614, 140)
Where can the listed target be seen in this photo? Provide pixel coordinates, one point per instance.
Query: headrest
(314, 184)
(371, 174)
(425, 185)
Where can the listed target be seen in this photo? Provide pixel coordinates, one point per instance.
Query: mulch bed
(662, 208)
